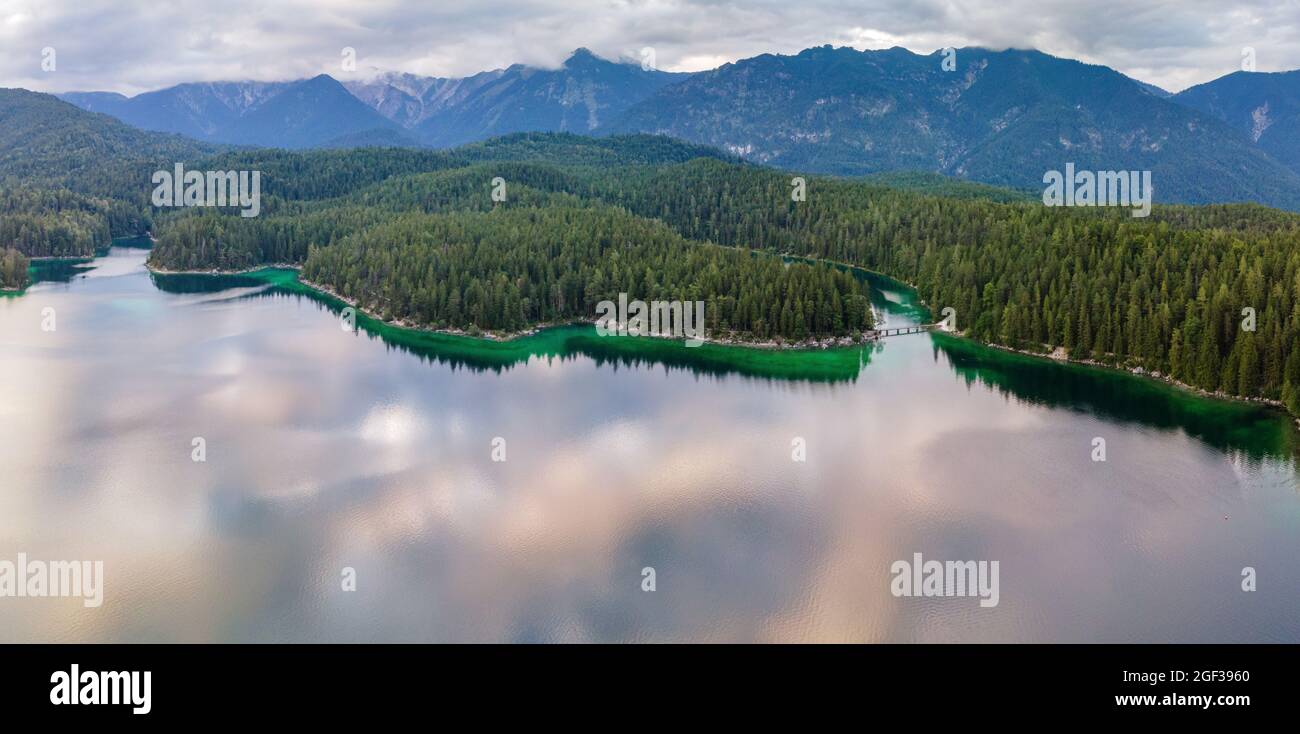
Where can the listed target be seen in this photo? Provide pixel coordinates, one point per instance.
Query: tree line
(509, 269)
(1169, 294)
(59, 223)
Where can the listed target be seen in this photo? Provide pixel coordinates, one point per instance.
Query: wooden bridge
(917, 329)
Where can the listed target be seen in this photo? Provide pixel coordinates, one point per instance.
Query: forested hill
(70, 179)
(421, 239)
(511, 268)
(1165, 293)
(45, 141)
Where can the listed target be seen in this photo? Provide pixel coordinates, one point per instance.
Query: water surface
(372, 450)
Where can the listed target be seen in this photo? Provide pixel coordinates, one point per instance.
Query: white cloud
(132, 46)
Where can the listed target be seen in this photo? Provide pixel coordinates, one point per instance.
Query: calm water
(328, 449)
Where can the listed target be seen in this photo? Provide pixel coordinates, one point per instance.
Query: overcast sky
(131, 46)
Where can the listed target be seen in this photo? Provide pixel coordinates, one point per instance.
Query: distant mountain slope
(395, 95)
(581, 96)
(1000, 117)
(306, 114)
(44, 140)
(409, 99)
(1263, 106)
(276, 114)
(203, 111)
(108, 103)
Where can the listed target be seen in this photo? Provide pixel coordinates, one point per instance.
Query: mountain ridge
(273, 114)
(999, 117)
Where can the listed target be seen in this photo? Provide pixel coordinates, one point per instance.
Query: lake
(371, 456)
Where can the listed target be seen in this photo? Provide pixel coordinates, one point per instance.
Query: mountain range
(1000, 117)
(581, 96)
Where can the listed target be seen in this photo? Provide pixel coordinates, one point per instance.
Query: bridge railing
(900, 330)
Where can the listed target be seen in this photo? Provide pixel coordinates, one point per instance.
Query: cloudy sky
(131, 46)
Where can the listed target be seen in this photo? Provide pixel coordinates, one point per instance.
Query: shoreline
(98, 252)
(1153, 375)
(506, 337)
(761, 346)
(246, 271)
(60, 258)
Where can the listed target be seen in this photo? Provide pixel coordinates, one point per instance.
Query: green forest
(1165, 293)
(60, 223)
(435, 249)
(511, 269)
(13, 269)
(417, 236)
